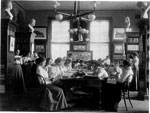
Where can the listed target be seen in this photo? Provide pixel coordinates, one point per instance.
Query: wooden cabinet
(8, 29)
(132, 43)
(144, 57)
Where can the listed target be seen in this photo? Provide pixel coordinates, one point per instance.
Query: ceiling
(84, 5)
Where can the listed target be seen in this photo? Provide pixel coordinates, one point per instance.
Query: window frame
(51, 42)
(110, 36)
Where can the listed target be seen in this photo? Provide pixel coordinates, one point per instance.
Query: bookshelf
(132, 43)
(143, 25)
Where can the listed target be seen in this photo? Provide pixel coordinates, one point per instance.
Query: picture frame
(40, 48)
(12, 44)
(118, 57)
(119, 34)
(41, 32)
(85, 56)
(79, 47)
(119, 48)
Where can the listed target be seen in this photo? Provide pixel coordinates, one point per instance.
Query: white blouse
(125, 74)
(41, 71)
(102, 73)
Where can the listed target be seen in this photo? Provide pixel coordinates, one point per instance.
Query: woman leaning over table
(111, 93)
(67, 65)
(53, 98)
(115, 71)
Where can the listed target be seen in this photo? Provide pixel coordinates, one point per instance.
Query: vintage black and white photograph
(75, 56)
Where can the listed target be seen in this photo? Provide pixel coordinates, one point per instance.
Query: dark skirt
(19, 79)
(111, 96)
(53, 99)
(135, 81)
(27, 75)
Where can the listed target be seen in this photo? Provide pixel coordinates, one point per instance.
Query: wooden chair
(41, 84)
(125, 92)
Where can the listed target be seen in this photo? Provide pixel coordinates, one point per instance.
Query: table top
(82, 82)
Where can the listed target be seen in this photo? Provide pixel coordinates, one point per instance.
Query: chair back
(41, 81)
(126, 85)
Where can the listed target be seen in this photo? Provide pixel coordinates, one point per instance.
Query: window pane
(99, 31)
(59, 50)
(99, 50)
(60, 31)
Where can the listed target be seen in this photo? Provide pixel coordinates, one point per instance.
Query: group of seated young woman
(111, 93)
(54, 97)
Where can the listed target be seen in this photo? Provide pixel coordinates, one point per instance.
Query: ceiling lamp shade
(80, 30)
(91, 17)
(59, 17)
(142, 5)
(77, 14)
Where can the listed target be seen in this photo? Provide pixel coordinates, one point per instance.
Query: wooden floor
(30, 102)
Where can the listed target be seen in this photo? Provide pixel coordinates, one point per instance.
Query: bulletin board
(86, 55)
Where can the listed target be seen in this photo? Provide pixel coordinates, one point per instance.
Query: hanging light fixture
(76, 16)
(91, 15)
(79, 30)
(59, 17)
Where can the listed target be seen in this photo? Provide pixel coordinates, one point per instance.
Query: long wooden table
(82, 82)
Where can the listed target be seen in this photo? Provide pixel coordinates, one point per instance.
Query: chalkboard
(86, 55)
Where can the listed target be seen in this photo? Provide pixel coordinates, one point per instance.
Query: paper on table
(111, 81)
(69, 74)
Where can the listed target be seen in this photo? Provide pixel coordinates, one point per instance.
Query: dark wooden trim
(19, 5)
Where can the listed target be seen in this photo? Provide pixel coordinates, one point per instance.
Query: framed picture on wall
(119, 34)
(119, 48)
(79, 47)
(41, 32)
(86, 56)
(12, 44)
(40, 48)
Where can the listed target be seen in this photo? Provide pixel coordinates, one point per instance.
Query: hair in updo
(135, 54)
(58, 60)
(126, 63)
(40, 60)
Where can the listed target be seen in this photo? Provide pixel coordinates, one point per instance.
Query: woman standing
(111, 93)
(53, 98)
(18, 74)
(136, 69)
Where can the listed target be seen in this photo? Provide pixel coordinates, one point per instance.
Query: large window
(99, 38)
(60, 39)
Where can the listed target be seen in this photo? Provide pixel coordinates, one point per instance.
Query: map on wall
(86, 56)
